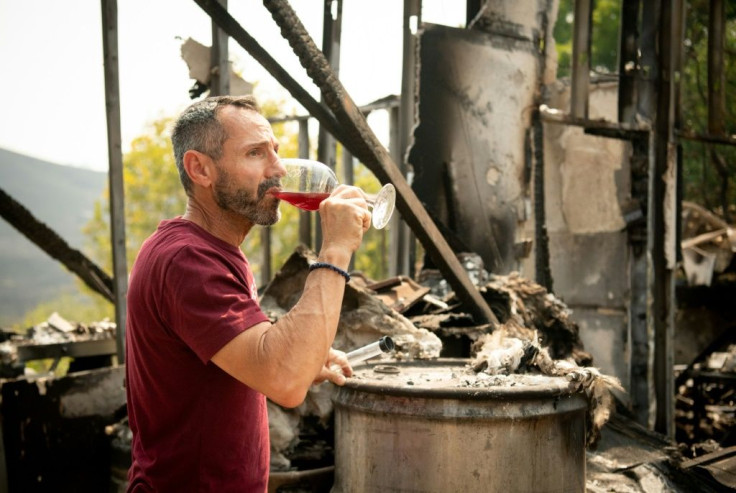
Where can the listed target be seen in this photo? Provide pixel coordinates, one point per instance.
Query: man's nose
(277, 166)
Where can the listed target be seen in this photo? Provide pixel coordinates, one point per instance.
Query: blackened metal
(50, 242)
(581, 59)
(220, 70)
(716, 72)
(709, 138)
(305, 218)
(331, 34)
(640, 386)
(457, 123)
(541, 250)
(628, 65)
(228, 24)
(661, 289)
(646, 88)
(405, 246)
(603, 128)
(115, 173)
(472, 7)
(366, 146)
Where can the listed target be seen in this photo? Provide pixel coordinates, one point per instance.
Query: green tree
(707, 168)
(604, 36)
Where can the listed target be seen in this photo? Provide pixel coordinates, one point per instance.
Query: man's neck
(225, 225)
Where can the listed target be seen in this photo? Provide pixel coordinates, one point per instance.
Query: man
(201, 356)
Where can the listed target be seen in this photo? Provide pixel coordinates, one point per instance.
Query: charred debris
(83, 414)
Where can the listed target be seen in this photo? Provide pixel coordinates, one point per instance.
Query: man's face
(248, 168)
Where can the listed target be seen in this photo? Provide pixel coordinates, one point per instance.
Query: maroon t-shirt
(195, 428)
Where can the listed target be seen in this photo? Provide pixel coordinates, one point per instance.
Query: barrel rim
(558, 386)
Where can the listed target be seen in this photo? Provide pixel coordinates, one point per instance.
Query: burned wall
(587, 179)
(476, 90)
(53, 430)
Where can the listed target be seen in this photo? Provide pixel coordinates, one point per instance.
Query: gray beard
(244, 204)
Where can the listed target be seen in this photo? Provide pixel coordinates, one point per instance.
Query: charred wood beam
(377, 159)
(601, 127)
(350, 127)
(228, 24)
(47, 240)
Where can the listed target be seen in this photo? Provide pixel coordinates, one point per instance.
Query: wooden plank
(54, 245)
(115, 173)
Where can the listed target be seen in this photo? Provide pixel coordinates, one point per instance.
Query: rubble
(364, 319)
(705, 406)
(536, 334)
(55, 338)
(708, 245)
(536, 339)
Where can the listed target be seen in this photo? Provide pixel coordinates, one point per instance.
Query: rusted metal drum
(438, 427)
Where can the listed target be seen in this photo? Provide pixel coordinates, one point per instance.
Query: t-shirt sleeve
(207, 300)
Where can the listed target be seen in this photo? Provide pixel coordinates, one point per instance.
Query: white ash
(500, 354)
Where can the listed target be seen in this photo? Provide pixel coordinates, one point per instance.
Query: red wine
(308, 201)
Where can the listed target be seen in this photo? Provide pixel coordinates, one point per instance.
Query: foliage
(707, 168)
(604, 36)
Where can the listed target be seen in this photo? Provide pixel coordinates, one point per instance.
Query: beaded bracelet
(325, 265)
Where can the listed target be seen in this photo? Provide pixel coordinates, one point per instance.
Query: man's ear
(199, 167)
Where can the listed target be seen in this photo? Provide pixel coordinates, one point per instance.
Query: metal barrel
(430, 427)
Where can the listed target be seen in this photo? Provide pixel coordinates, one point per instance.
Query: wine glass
(307, 183)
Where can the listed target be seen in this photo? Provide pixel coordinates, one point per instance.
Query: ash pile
(535, 335)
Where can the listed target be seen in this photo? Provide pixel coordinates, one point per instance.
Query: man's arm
(282, 360)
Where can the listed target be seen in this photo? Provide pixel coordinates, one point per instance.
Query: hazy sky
(52, 82)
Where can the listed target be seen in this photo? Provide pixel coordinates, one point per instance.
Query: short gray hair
(198, 128)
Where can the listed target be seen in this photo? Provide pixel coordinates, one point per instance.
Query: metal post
(331, 32)
(403, 239)
(628, 66)
(115, 174)
(663, 207)
(348, 179)
(716, 74)
(305, 218)
(581, 59)
(219, 66)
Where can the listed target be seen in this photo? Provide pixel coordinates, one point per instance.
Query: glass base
(383, 206)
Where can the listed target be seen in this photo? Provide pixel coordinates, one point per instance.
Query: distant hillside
(63, 198)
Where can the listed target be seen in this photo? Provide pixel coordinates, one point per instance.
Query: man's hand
(335, 369)
(344, 216)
